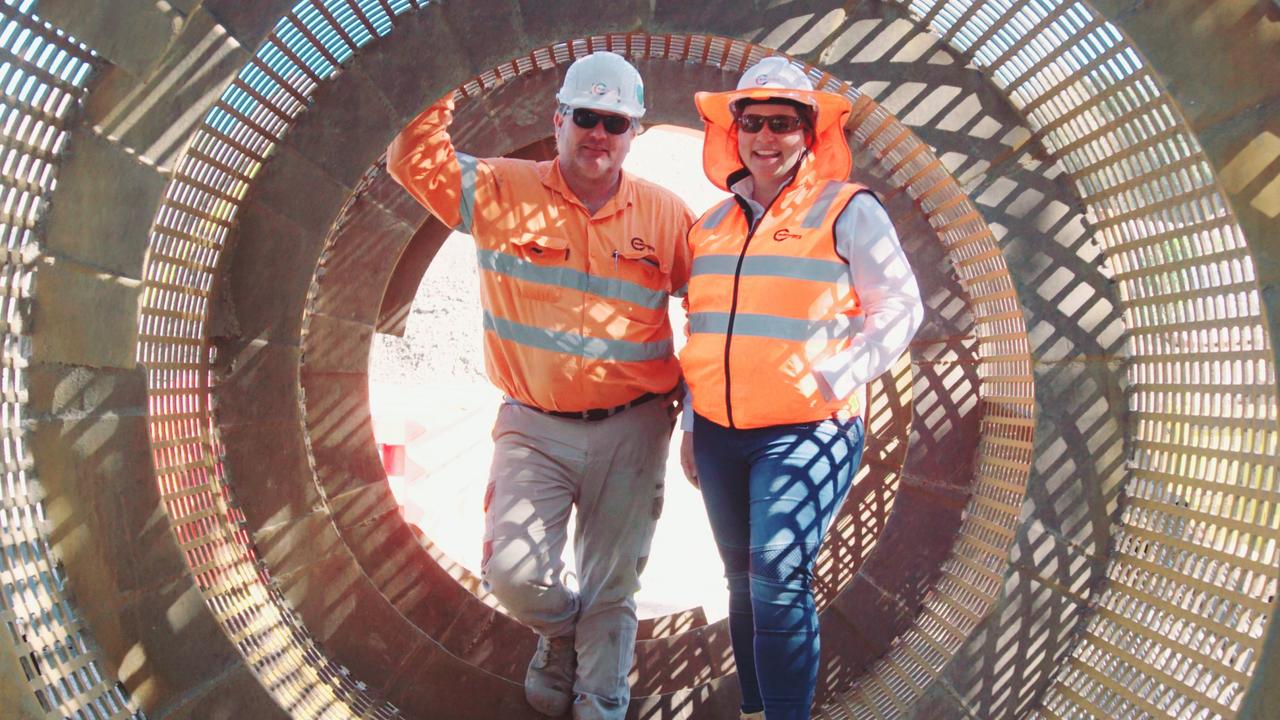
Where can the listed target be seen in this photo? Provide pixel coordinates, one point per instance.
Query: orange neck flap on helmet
(830, 157)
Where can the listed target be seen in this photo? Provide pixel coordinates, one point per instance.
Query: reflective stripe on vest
(718, 213)
(770, 326)
(832, 271)
(822, 205)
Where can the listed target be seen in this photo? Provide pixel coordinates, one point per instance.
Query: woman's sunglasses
(613, 124)
(778, 124)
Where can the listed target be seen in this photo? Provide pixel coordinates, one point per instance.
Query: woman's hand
(686, 459)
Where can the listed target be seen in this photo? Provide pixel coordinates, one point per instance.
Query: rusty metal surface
(1106, 357)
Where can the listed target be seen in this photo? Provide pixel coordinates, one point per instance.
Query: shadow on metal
(1069, 506)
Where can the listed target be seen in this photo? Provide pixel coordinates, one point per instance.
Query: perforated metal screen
(43, 73)
(1191, 583)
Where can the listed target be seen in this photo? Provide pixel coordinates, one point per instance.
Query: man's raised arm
(423, 160)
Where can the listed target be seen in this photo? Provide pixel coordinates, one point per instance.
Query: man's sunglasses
(778, 124)
(613, 124)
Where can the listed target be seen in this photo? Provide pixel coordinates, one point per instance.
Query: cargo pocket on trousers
(655, 515)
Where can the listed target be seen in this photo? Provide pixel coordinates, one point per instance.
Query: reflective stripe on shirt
(570, 343)
(565, 277)
(467, 204)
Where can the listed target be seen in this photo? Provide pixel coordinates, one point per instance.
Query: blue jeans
(771, 493)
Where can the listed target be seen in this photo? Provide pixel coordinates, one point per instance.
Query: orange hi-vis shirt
(575, 305)
(767, 305)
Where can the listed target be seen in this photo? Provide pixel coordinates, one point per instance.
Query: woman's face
(767, 155)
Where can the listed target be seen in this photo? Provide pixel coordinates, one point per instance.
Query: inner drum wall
(195, 523)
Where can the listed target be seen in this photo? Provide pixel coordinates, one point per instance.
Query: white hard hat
(603, 81)
(775, 73)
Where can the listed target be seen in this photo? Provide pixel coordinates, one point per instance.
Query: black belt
(601, 413)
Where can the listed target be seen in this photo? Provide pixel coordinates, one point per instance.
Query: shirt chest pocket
(639, 277)
(539, 267)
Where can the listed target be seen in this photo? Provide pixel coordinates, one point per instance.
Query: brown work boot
(752, 716)
(548, 686)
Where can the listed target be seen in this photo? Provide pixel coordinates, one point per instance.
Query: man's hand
(675, 406)
(686, 459)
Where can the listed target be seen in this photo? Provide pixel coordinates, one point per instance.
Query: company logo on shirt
(785, 234)
(638, 244)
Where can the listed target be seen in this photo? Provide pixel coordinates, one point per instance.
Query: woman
(800, 295)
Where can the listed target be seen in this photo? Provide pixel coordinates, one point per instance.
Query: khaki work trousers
(613, 470)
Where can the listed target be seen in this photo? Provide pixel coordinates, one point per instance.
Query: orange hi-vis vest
(575, 305)
(767, 305)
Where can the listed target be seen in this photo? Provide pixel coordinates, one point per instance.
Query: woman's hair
(805, 112)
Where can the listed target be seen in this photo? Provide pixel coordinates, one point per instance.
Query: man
(577, 259)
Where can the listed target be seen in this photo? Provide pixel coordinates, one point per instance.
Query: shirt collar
(549, 174)
(746, 185)
(743, 189)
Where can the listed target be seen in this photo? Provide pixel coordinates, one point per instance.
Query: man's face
(590, 155)
(769, 156)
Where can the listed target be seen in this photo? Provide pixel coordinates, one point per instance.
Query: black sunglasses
(778, 124)
(613, 124)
